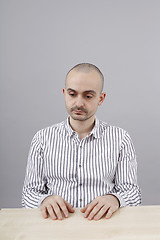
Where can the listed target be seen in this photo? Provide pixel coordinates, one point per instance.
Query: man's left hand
(100, 206)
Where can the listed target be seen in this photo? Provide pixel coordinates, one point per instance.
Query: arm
(35, 192)
(126, 188)
(34, 189)
(125, 191)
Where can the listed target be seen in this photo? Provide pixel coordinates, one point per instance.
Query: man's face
(83, 94)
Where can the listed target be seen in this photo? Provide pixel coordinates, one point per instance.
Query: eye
(88, 96)
(72, 94)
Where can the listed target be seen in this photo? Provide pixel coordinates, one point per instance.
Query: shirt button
(80, 200)
(80, 165)
(80, 184)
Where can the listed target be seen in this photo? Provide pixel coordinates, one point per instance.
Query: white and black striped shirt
(59, 163)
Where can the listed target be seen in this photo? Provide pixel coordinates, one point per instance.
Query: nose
(79, 101)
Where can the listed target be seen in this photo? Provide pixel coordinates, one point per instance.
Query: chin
(80, 118)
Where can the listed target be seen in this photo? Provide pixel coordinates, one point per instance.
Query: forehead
(83, 81)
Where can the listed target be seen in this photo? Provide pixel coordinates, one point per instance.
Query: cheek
(96, 102)
(94, 105)
(69, 101)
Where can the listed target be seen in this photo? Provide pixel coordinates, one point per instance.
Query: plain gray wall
(41, 40)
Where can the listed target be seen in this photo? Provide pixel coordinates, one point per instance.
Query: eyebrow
(87, 91)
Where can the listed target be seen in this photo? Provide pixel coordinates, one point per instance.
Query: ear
(102, 97)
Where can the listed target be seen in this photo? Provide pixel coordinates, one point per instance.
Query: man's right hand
(55, 207)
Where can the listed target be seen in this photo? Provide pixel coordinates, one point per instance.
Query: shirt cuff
(42, 199)
(121, 200)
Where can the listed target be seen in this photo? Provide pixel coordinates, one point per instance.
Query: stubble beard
(79, 117)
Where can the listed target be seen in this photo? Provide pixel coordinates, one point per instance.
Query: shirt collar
(70, 131)
(96, 131)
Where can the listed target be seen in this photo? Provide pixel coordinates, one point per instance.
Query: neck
(83, 128)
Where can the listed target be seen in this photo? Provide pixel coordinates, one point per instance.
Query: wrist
(116, 198)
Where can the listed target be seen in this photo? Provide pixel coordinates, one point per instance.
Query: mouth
(78, 112)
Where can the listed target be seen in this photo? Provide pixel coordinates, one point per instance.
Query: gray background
(42, 40)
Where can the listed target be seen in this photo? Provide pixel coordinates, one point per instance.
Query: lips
(78, 112)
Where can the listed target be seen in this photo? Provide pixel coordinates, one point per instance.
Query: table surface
(127, 223)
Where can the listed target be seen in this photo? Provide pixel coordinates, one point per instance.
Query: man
(81, 162)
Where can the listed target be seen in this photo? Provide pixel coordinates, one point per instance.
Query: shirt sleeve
(126, 188)
(35, 188)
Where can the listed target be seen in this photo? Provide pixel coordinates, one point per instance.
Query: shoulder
(107, 128)
(46, 132)
(114, 132)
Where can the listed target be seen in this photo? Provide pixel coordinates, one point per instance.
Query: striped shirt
(59, 163)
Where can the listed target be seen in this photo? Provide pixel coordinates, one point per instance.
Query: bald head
(86, 68)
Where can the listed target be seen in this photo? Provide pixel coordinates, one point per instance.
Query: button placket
(79, 163)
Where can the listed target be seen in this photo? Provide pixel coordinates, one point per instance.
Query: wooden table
(129, 223)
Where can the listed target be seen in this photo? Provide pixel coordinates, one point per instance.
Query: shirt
(59, 163)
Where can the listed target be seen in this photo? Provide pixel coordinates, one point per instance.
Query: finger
(94, 211)
(51, 212)
(100, 214)
(69, 207)
(57, 211)
(84, 209)
(44, 212)
(110, 212)
(63, 207)
(90, 207)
